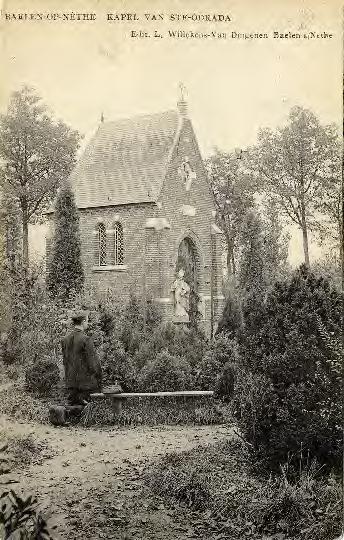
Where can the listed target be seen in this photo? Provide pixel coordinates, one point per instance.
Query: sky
(233, 86)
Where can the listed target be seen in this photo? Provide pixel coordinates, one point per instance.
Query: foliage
(13, 372)
(21, 450)
(329, 267)
(20, 518)
(233, 194)
(24, 292)
(37, 323)
(263, 252)
(129, 342)
(217, 483)
(288, 389)
(37, 154)
(169, 411)
(10, 230)
(7, 352)
(127, 337)
(42, 376)
(190, 476)
(294, 163)
(137, 321)
(306, 508)
(118, 366)
(119, 332)
(166, 373)
(65, 276)
(275, 244)
(195, 315)
(251, 274)
(231, 321)
(22, 406)
(10, 247)
(178, 341)
(225, 382)
(221, 352)
(329, 225)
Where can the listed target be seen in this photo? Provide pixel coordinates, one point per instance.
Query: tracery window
(101, 244)
(118, 244)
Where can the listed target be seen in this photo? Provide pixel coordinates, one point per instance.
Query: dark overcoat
(81, 363)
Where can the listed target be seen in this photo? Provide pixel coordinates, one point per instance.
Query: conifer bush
(118, 366)
(166, 373)
(288, 385)
(65, 276)
(220, 354)
(231, 321)
(188, 343)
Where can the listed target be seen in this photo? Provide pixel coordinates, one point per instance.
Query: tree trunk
(304, 233)
(229, 261)
(25, 224)
(230, 254)
(233, 263)
(341, 249)
(341, 226)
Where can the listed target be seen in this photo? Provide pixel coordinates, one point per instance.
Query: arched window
(118, 244)
(101, 244)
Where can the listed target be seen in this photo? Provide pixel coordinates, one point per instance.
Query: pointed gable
(126, 161)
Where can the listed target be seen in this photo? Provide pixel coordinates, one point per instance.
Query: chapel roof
(126, 161)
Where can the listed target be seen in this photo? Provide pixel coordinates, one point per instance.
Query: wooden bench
(118, 398)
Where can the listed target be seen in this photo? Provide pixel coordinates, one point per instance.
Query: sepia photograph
(172, 269)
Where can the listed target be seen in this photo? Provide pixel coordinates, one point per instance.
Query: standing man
(83, 374)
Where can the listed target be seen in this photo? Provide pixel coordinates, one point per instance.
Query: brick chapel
(147, 215)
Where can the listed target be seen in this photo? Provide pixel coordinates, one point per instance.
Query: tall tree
(233, 192)
(65, 274)
(10, 261)
(330, 205)
(36, 153)
(276, 243)
(3, 268)
(11, 231)
(293, 163)
(252, 276)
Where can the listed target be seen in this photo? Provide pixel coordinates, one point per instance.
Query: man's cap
(78, 316)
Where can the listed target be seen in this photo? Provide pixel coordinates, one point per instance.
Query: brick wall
(198, 227)
(129, 277)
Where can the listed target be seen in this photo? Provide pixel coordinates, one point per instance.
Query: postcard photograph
(172, 269)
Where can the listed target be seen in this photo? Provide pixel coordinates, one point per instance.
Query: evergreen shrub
(42, 376)
(166, 373)
(288, 392)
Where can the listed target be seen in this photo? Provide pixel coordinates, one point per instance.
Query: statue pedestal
(181, 319)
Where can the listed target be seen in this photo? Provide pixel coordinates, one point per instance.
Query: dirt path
(90, 487)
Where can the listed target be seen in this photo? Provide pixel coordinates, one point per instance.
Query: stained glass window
(118, 244)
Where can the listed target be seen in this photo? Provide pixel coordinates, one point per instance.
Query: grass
(18, 404)
(217, 482)
(155, 411)
(21, 450)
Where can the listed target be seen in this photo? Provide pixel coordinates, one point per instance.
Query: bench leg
(116, 407)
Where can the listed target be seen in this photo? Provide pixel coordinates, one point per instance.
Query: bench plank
(185, 393)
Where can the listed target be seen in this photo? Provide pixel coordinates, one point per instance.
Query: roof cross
(183, 91)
